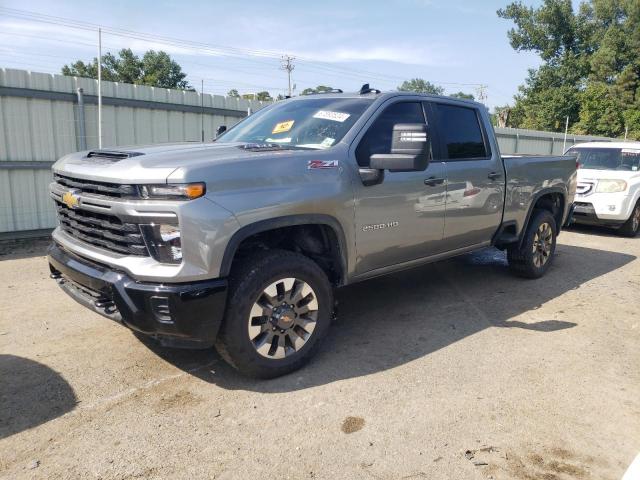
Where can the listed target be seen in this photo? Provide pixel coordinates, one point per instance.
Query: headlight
(164, 242)
(611, 186)
(169, 191)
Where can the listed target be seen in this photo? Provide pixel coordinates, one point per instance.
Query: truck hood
(155, 163)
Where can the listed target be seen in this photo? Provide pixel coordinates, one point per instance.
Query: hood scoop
(111, 156)
(261, 147)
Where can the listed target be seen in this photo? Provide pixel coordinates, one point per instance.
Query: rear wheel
(534, 256)
(631, 227)
(279, 308)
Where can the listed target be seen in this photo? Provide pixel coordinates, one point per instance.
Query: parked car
(608, 191)
(240, 242)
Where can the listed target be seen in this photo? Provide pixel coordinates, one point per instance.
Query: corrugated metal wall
(533, 142)
(36, 131)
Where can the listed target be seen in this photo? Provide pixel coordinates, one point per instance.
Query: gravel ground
(456, 370)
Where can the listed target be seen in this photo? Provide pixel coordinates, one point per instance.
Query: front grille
(102, 230)
(99, 188)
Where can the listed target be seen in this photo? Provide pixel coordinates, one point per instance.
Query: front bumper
(586, 213)
(182, 314)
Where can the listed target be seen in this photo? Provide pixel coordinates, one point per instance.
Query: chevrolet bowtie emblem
(70, 199)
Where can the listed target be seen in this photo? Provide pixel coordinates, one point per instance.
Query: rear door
(402, 217)
(475, 176)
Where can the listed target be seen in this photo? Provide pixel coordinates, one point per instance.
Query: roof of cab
(383, 96)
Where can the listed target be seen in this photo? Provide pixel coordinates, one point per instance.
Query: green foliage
(264, 96)
(462, 95)
(420, 85)
(233, 93)
(600, 113)
(590, 70)
(155, 69)
(318, 89)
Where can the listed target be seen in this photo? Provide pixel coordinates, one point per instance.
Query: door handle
(433, 181)
(494, 175)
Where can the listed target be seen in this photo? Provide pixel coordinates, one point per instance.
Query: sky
(458, 44)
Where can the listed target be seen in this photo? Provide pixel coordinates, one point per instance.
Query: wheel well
(316, 241)
(554, 203)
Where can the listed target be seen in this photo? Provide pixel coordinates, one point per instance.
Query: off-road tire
(632, 226)
(522, 259)
(247, 281)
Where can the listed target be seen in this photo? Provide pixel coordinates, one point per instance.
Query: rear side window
(460, 132)
(378, 137)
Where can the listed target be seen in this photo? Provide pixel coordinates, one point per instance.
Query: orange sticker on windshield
(283, 127)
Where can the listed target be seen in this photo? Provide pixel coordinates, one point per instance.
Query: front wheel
(533, 258)
(279, 308)
(631, 227)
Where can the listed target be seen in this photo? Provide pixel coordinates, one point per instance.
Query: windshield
(607, 158)
(316, 123)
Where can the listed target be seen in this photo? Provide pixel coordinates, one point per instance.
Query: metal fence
(43, 117)
(533, 142)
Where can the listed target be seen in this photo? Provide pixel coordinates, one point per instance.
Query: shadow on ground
(24, 248)
(30, 394)
(392, 320)
(596, 230)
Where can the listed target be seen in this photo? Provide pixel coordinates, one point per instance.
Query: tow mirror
(409, 150)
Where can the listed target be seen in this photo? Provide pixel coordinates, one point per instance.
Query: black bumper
(184, 314)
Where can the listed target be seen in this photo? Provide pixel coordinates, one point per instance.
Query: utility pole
(202, 108)
(287, 64)
(99, 88)
(482, 93)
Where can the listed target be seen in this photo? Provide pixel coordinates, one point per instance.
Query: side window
(378, 137)
(460, 132)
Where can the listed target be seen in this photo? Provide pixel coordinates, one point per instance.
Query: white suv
(608, 185)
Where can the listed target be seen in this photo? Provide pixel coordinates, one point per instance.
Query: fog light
(164, 242)
(161, 309)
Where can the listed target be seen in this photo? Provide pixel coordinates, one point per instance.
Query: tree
(462, 95)
(159, 70)
(318, 89)
(155, 69)
(233, 93)
(420, 85)
(600, 113)
(263, 96)
(590, 70)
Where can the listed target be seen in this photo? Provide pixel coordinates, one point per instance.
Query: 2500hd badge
(379, 226)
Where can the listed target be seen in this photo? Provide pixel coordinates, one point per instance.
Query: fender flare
(534, 200)
(280, 222)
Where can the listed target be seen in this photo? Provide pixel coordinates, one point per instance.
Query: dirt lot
(452, 371)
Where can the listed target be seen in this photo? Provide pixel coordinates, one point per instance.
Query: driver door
(401, 218)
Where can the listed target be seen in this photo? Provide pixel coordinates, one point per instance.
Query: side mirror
(409, 150)
(220, 130)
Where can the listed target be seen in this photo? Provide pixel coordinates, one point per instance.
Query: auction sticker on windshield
(335, 116)
(283, 127)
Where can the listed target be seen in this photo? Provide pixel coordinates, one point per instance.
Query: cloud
(400, 54)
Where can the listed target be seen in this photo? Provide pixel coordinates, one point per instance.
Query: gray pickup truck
(239, 242)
